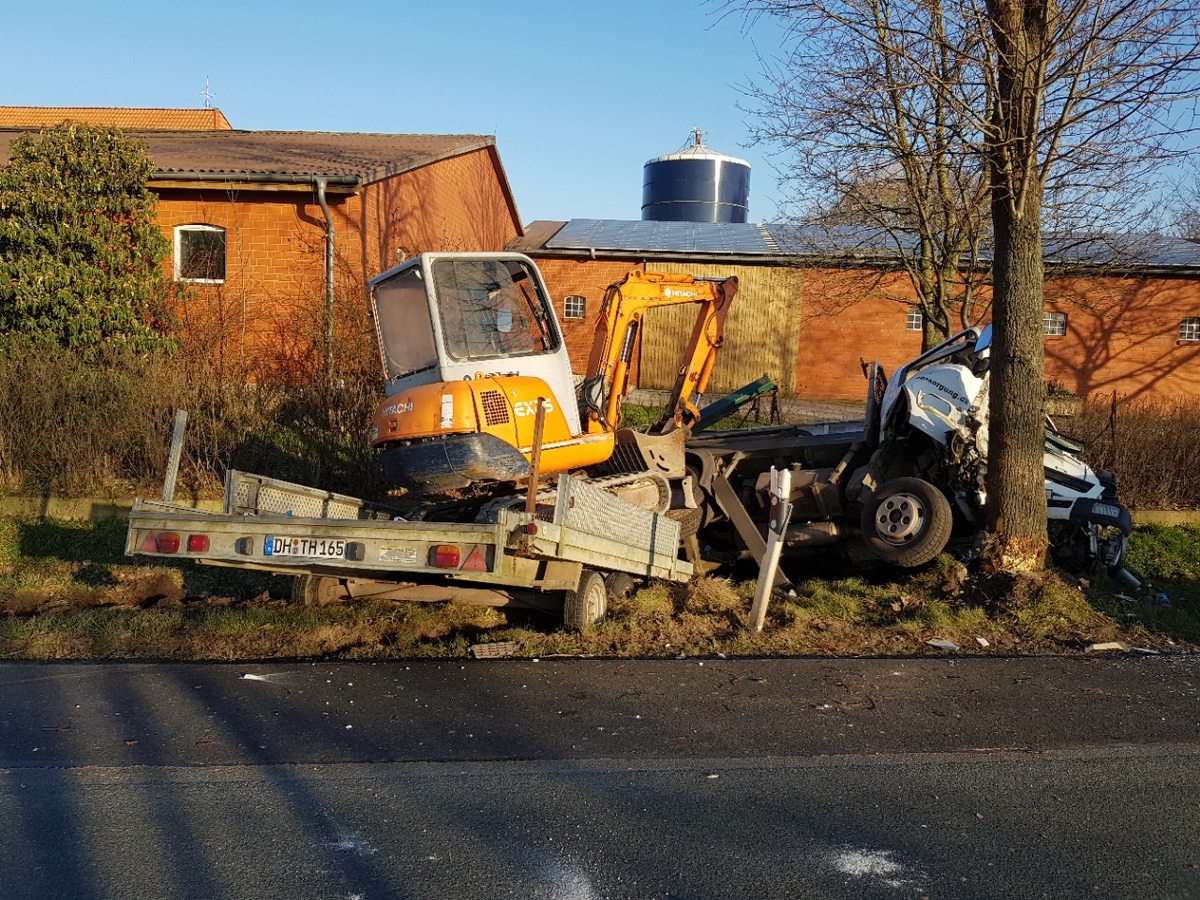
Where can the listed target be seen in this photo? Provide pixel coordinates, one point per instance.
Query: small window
(200, 253)
(1189, 329)
(574, 307)
(1054, 324)
(915, 320)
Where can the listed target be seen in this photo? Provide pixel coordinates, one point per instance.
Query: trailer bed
(291, 529)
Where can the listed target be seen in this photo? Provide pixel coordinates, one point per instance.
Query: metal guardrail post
(781, 513)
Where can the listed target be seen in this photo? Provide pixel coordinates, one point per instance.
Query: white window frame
(1189, 328)
(914, 320)
(1054, 324)
(179, 231)
(574, 306)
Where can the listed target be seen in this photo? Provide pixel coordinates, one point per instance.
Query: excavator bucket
(637, 452)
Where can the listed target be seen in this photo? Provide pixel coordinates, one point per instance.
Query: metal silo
(696, 185)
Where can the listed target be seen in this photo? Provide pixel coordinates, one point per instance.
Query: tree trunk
(1016, 503)
(1016, 484)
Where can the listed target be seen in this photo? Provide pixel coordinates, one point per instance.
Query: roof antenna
(207, 94)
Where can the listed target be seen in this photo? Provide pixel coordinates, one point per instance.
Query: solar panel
(682, 237)
(786, 239)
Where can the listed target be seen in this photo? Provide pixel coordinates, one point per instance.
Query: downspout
(320, 182)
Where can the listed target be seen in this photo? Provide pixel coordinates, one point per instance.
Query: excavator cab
(469, 344)
(465, 317)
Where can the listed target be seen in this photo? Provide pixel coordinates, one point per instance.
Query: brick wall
(1122, 332)
(1123, 336)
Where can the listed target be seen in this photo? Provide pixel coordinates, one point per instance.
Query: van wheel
(586, 605)
(907, 522)
(317, 590)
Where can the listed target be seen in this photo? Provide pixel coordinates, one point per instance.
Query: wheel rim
(900, 518)
(597, 601)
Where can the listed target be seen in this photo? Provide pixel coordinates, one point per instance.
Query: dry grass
(67, 592)
(103, 428)
(1152, 446)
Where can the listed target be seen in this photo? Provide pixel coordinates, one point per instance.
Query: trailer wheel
(907, 522)
(317, 590)
(586, 605)
(619, 585)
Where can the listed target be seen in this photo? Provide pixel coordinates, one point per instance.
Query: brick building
(270, 230)
(1122, 318)
(255, 218)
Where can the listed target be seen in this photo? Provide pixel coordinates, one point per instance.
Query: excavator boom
(619, 328)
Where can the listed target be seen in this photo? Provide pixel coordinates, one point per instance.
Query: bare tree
(1084, 89)
(1182, 205)
(877, 101)
(1012, 104)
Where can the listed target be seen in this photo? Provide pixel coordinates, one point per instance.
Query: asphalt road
(1006, 778)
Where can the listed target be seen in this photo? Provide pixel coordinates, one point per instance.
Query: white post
(781, 512)
(176, 453)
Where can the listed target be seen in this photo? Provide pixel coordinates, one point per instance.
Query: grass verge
(67, 592)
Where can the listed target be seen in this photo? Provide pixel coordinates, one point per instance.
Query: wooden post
(781, 512)
(176, 454)
(535, 458)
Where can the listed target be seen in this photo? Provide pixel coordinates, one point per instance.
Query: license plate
(319, 548)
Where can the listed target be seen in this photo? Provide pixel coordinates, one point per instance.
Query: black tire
(689, 520)
(619, 585)
(587, 604)
(317, 590)
(907, 522)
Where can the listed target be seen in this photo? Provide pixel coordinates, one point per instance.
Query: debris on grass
(494, 650)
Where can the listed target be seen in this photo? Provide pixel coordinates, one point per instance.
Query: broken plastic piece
(1108, 645)
(942, 644)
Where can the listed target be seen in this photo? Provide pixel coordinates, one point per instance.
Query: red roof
(176, 119)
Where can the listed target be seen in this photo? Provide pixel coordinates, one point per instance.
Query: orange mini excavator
(470, 345)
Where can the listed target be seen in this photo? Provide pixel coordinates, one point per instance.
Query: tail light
(445, 556)
(166, 542)
(197, 543)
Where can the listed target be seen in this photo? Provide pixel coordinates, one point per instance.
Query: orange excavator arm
(618, 329)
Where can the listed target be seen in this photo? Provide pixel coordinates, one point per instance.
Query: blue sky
(578, 95)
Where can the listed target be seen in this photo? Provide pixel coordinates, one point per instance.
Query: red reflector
(166, 542)
(446, 556)
(476, 561)
(197, 543)
(531, 527)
